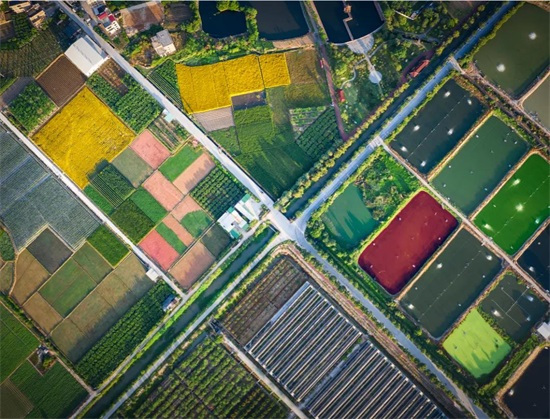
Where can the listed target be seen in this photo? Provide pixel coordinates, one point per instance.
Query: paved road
(278, 240)
(264, 378)
(289, 230)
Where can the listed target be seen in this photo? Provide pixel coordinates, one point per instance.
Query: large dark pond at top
(221, 24)
(530, 398)
(278, 20)
(365, 19)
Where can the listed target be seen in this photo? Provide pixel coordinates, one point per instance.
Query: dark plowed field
(61, 80)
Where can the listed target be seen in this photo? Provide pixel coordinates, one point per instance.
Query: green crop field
(49, 250)
(348, 219)
(519, 207)
(149, 205)
(216, 240)
(519, 51)
(31, 106)
(108, 245)
(171, 238)
(476, 346)
(16, 342)
(451, 283)
(438, 127)
(514, 307)
(175, 165)
(196, 222)
(54, 395)
(472, 174)
(92, 262)
(132, 167)
(67, 287)
(538, 104)
(132, 220)
(98, 199)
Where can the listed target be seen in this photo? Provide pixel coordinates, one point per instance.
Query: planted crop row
(209, 382)
(217, 192)
(112, 185)
(166, 79)
(31, 106)
(320, 135)
(124, 336)
(170, 134)
(137, 107)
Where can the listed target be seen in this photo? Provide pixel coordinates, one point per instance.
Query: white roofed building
(163, 44)
(86, 55)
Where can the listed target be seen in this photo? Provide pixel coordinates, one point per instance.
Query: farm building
(163, 44)
(544, 331)
(249, 208)
(86, 55)
(233, 223)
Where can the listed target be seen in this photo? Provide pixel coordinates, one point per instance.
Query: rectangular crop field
(49, 250)
(216, 240)
(451, 283)
(400, 250)
(82, 134)
(187, 390)
(175, 165)
(437, 127)
(476, 346)
(29, 276)
(16, 342)
(61, 80)
(519, 207)
(472, 174)
(348, 219)
(192, 265)
(132, 167)
(535, 260)
(519, 52)
(514, 307)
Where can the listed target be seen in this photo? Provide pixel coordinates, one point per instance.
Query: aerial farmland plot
(519, 207)
(438, 127)
(476, 346)
(400, 250)
(480, 164)
(61, 80)
(452, 281)
(514, 307)
(535, 260)
(519, 52)
(25, 391)
(312, 349)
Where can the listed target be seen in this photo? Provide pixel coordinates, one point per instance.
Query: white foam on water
(489, 257)
(439, 266)
(519, 207)
(447, 94)
(516, 182)
(403, 148)
(532, 36)
(469, 101)
(501, 68)
(416, 128)
(423, 163)
(450, 132)
(531, 268)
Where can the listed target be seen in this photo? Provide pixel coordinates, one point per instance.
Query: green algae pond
(519, 52)
(519, 207)
(477, 168)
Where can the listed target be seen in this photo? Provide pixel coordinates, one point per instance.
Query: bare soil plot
(42, 312)
(157, 248)
(265, 297)
(29, 276)
(61, 80)
(185, 207)
(177, 13)
(49, 250)
(178, 229)
(192, 265)
(248, 100)
(150, 149)
(141, 17)
(132, 167)
(194, 173)
(216, 119)
(163, 191)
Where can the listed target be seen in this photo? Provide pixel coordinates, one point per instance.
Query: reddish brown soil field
(61, 80)
(401, 249)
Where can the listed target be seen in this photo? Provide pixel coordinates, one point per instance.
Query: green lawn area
(98, 199)
(348, 219)
(519, 207)
(16, 342)
(149, 205)
(476, 346)
(196, 222)
(175, 165)
(106, 243)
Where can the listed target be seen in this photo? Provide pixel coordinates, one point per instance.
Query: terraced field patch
(476, 346)
(519, 207)
(450, 284)
(472, 174)
(437, 127)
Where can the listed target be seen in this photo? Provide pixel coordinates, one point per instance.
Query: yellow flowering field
(274, 70)
(82, 134)
(208, 87)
